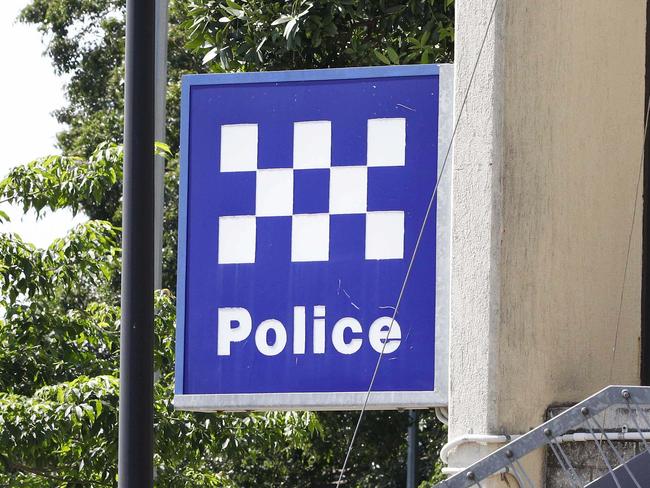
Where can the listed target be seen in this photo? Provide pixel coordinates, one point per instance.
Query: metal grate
(582, 418)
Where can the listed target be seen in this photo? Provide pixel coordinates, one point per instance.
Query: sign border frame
(378, 400)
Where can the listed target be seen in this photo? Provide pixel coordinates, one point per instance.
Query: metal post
(412, 442)
(159, 134)
(135, 457)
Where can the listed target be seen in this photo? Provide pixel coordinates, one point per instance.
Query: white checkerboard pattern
(348, 192)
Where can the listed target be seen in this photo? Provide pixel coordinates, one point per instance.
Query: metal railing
(582, 420)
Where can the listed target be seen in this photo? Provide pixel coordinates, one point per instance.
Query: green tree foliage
(85, 40)
(89, 185)
(59, 307)
(263, 35)
(86, 43)
(59, 360)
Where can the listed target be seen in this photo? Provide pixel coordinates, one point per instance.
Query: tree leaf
(425, 37)
(233, 4)
(236, 12)
(210, 55)
(392, 55)
(288, 29)
(381, 57)
(395, 9)
(282, 20)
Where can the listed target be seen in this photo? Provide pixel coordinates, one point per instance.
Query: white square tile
(312, 144)
(238, 147)
(386, 142)
(237, 239)
(348, 189)
(310, 237)
(274, 192)
(385, 235)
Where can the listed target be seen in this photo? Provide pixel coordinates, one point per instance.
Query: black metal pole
(412, 446)
(135, 458)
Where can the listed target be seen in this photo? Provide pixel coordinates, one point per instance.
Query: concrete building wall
(544, 179)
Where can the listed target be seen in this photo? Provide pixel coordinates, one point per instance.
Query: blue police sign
(302, 195)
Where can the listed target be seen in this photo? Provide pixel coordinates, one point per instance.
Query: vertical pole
(159, 135)
(135, 457)
(412, 443)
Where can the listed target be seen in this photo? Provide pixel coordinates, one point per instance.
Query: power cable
(415, 250)
(629, 241)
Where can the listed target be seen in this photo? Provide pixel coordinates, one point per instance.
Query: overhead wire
(417, 245)
(629, 240)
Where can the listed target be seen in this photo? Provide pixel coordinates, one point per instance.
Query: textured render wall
(476, 224)
(573, 130)
(545, 168)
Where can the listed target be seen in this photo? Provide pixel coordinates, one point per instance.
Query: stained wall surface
(547, 161)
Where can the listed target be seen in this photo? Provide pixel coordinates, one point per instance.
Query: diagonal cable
(417, 245)
(617, 454)
(562, 462)
(636, 422)
(629, 240)
(523, 472)
(602, 453)
(572, 470)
